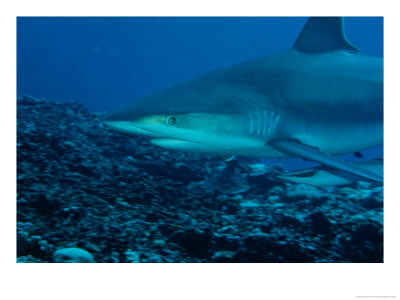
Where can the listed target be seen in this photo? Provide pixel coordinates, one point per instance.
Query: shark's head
(197, 116)
(207, 114)
(223, 134)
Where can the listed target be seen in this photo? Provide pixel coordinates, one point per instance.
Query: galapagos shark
(319, 99)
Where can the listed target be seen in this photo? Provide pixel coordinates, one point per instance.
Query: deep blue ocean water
(104, 62)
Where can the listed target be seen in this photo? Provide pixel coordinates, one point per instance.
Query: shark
(317, 100)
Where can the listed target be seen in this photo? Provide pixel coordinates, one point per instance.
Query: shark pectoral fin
(294, 147)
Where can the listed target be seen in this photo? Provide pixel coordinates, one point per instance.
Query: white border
(200, 281)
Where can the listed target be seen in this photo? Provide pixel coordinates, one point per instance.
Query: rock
(72, 255)
(45, 204)
(249, 204)
(368, 232)
(223, 256)
(266, 227)
(257, 169)
(29, 259)
(304, 192)
(320, 224)
(290, 221)
(372, 203)
(273, 198)
(276, 191)
(226, 178)
(69, 144)
(194, 240)
(228, 242)
(153, 258)
(132, 256)
(350, 193)
(264, 248)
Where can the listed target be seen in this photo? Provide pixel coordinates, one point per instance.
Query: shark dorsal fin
(323, 34)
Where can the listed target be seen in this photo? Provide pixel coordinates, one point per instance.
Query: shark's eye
(170, 120)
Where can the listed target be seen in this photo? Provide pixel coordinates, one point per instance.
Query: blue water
(104, 62)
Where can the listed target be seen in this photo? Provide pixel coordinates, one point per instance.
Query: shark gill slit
(262, 122)
(265, 121)
(271, 120)
(251, 123)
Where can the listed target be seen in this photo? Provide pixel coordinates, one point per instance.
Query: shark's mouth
(166, 141)
(129, 128)
(158, 138)
(190, 146)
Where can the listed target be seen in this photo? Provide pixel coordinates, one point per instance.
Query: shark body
(319, 99)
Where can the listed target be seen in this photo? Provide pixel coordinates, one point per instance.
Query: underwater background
(82, 187)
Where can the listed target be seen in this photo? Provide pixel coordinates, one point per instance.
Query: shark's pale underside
(320, 98)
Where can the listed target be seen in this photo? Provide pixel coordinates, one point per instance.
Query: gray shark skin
(320, 98)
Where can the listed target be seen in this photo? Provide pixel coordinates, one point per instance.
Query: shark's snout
(127, 127)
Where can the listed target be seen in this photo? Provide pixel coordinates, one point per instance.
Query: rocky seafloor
(81, 185)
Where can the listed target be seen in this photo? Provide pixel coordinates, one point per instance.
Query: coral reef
(80, 185)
